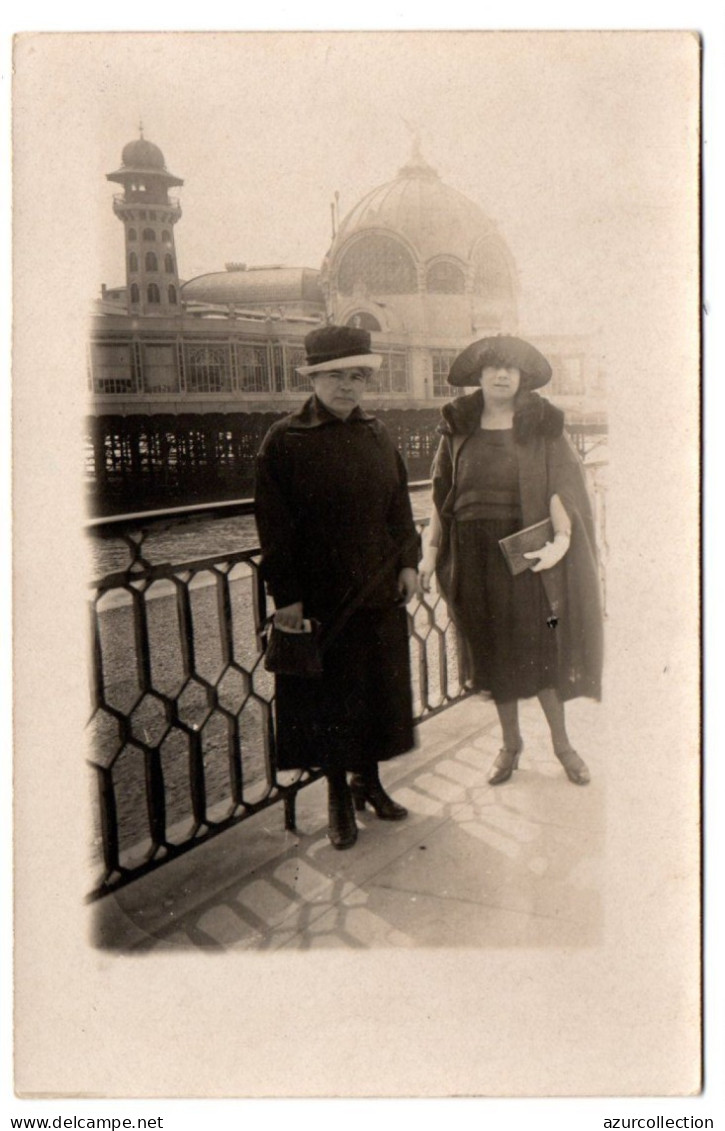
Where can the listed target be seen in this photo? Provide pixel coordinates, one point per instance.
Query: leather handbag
(294, 653)
(300, 653)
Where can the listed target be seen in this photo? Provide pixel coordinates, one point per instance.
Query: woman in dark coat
(337, 533)
(504, 464)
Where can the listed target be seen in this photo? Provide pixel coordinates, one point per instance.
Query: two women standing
(339, 545)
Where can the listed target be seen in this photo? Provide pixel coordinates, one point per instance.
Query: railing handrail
(108, 524)
(118, 522)
(155, 571)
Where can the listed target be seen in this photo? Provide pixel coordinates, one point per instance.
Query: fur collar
(534, 416)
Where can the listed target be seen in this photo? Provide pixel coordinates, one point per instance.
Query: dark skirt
(360, 711)
(511, 650)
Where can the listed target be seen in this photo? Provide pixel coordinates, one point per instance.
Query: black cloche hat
(338, 347)
(500, 350)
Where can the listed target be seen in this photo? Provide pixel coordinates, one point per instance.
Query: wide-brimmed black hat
(500, 350)
(338, 347)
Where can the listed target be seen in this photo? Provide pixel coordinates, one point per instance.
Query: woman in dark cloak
(337, 533)
(504, 464)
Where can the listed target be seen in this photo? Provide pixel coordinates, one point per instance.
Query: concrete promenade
(473, 866)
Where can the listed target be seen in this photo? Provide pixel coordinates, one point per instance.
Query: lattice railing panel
(181, 733)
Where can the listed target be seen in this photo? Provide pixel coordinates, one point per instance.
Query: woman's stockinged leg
(508, 716)
(508, 757)
(553, 708)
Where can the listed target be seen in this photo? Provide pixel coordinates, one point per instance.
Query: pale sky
(555, 136)
(563, 139)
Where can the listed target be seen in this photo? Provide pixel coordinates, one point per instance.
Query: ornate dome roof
(433, 217)
(142, 154)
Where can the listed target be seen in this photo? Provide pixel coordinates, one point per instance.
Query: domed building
(186, 377)
(419, 263)
(286, 291)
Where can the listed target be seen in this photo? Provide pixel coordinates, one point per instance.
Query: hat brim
(358, 361)
(515, 352)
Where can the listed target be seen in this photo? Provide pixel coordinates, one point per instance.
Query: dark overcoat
(333, 511)
(548, 465)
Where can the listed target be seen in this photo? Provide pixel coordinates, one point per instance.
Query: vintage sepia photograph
(212, 427)
(367, 383)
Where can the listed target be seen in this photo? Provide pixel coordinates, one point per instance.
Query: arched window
(206, 369)
(149, 234)
(445, 278)
(165, 236)
(172, 295)
(379, 265)
(169, 264)
(133, 261)
(152, 293)
(152, 263)
(363, 321)
(132, 234)
(134, 292)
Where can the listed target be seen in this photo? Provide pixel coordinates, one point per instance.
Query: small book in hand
(526, 541)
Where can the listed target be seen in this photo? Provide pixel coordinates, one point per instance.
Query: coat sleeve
(442, 474)
(567, 480)
(580, 631)
(276, 522)
(400, 520)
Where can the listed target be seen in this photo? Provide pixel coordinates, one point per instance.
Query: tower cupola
(148, 215)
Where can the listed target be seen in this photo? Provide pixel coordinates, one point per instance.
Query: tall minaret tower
(148, 214)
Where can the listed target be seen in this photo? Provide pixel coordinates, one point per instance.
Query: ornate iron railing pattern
(182, 721)
(181, 733)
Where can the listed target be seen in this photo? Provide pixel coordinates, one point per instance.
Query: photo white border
(561, 1114)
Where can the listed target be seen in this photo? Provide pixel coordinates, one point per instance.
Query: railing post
(290, 808)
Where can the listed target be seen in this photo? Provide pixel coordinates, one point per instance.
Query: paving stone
(472, 865)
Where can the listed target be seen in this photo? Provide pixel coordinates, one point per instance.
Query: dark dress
(488, 484)
(512, 651)
(333, 511)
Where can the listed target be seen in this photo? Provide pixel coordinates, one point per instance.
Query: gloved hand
(290, 616)
(407, 584)
(550, 554)
(426, 568)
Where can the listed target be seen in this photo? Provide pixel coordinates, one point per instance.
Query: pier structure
(185, 376)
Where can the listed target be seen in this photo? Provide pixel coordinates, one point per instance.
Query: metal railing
(182, 737)
(181, 734)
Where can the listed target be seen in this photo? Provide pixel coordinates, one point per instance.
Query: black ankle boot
(368, 788)
(342, 829)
